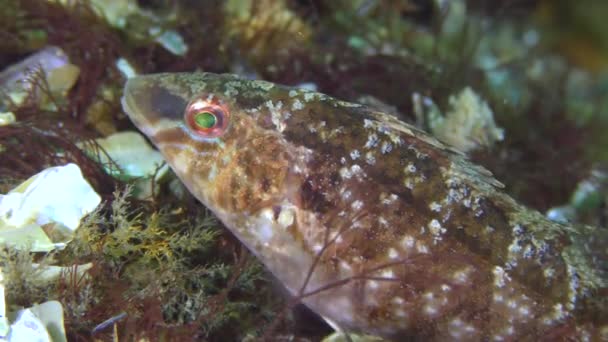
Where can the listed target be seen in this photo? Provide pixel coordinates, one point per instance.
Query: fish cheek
(255, 177)
(192, 160)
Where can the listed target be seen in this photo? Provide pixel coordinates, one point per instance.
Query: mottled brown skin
(377, 226)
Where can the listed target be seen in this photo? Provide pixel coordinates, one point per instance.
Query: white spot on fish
(372, 140)
(549, 272)
(461, 276)
(386, 147)
(397, 301)
(346, 194)
(264, 85)
(408, 242)
(370, 158)
(345, 173)
(392, 253)
(317, 247)
(430, 310)
(434, 206)
(212, 172)
(524, 310)
(355, 169)
(354, 154)
(500, 277)
(400, 313)
(408, 183)
(286, 217)
(296, 105)
(436, 229)
(263, 227)
(309, 96)
(388, 274)
(277, 114)
(348, 104)
(421, 247)
(410, 168)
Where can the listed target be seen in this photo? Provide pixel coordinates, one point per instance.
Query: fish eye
(206, 119)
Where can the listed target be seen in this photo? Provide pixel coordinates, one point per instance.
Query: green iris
(205, 119)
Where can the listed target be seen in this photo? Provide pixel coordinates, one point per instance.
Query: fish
(373, 224)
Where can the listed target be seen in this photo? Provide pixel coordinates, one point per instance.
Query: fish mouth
(131, 102)
(151, 105)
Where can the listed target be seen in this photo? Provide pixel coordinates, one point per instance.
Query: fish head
(222, 136)
(196, 122)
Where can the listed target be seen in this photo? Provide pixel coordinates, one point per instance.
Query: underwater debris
(109, 322)
(342, 337)
(4, 323)
(170, 40)
(42, 322)
(468, 125)
(33, 204)
(588, 196)
(134, 157)
(47, 59)
(128, 157)
(126, 69)
(6, 118)
(41, 77)
(115, 12)
(129, 16)
(264, 28)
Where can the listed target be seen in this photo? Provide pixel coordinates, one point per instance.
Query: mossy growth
(172, 273)
(23, 277)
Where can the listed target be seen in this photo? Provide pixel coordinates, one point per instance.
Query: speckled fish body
(404, 237)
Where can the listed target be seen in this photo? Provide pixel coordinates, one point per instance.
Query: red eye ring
(208, 120)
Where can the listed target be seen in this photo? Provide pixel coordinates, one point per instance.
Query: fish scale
(374, 224)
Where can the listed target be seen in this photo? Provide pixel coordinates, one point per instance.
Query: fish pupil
(205, 120)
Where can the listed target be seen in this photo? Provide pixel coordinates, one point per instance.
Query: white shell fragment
(132, 154)
(135, 159)
(171, 40)
(4, 324)
(53, 272)
(43, 322)
(18, 81)
(47, 59)
(58, 195)
(30, 236)
(126, 69)
(7, 118)
(28, 327)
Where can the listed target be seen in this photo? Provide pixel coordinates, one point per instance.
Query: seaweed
(164, 271)
(24, 280)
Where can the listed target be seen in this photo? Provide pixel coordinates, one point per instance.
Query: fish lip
(129, 103)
